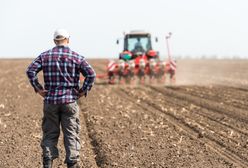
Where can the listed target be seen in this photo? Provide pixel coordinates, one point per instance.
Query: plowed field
(200, 122)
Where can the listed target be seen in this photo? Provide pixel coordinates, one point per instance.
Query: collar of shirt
(62, 45)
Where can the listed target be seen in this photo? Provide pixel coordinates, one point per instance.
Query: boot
(73, 165)
(47, 163)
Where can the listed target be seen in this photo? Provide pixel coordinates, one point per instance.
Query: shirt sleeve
(33, 69)
(89, 74)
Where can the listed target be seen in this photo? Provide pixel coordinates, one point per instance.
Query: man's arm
(33, 69)
(89, 74)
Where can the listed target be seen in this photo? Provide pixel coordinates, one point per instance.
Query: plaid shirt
(61, 70)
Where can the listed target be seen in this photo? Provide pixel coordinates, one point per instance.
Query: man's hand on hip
(83, 93)
(42, 92)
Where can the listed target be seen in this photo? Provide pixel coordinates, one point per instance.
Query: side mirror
(156, 39)
(117, 41)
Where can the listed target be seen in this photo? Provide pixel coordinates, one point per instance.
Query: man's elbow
(92, 74)
(28, 72)
(93, 77)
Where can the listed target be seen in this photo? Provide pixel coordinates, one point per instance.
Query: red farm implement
(139, 63)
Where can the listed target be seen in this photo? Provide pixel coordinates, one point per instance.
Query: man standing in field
(61, 70)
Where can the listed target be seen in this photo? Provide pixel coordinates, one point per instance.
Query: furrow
(212, 143)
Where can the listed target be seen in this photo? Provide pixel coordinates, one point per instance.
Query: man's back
(61, 69)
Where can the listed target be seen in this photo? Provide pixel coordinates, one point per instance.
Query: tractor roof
(138, 32)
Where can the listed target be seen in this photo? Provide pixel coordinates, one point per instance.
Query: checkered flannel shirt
(61, 70)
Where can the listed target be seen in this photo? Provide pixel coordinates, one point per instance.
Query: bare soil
(200, 122)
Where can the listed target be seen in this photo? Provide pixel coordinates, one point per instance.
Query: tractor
(138, 62)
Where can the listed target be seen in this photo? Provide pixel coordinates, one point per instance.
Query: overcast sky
(199, 27)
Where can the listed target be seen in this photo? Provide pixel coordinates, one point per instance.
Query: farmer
(138, 46)
(61, 70)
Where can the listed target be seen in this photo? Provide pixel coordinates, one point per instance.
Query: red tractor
(138, 62)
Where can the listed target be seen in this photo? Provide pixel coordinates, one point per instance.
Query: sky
(199, 27)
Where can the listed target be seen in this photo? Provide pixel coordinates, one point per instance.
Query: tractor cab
(137, 44)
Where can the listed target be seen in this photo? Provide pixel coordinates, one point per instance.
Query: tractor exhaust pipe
(167, 45)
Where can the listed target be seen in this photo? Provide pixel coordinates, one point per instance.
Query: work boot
(73, 165)
(47, 163)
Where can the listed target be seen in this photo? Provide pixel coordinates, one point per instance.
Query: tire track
(227, 135)
(242, 134)
(216, 110)
(100, 156)
(227, 96)
(244, 89)
(208, 114)
(194, 133)
(238, 114)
